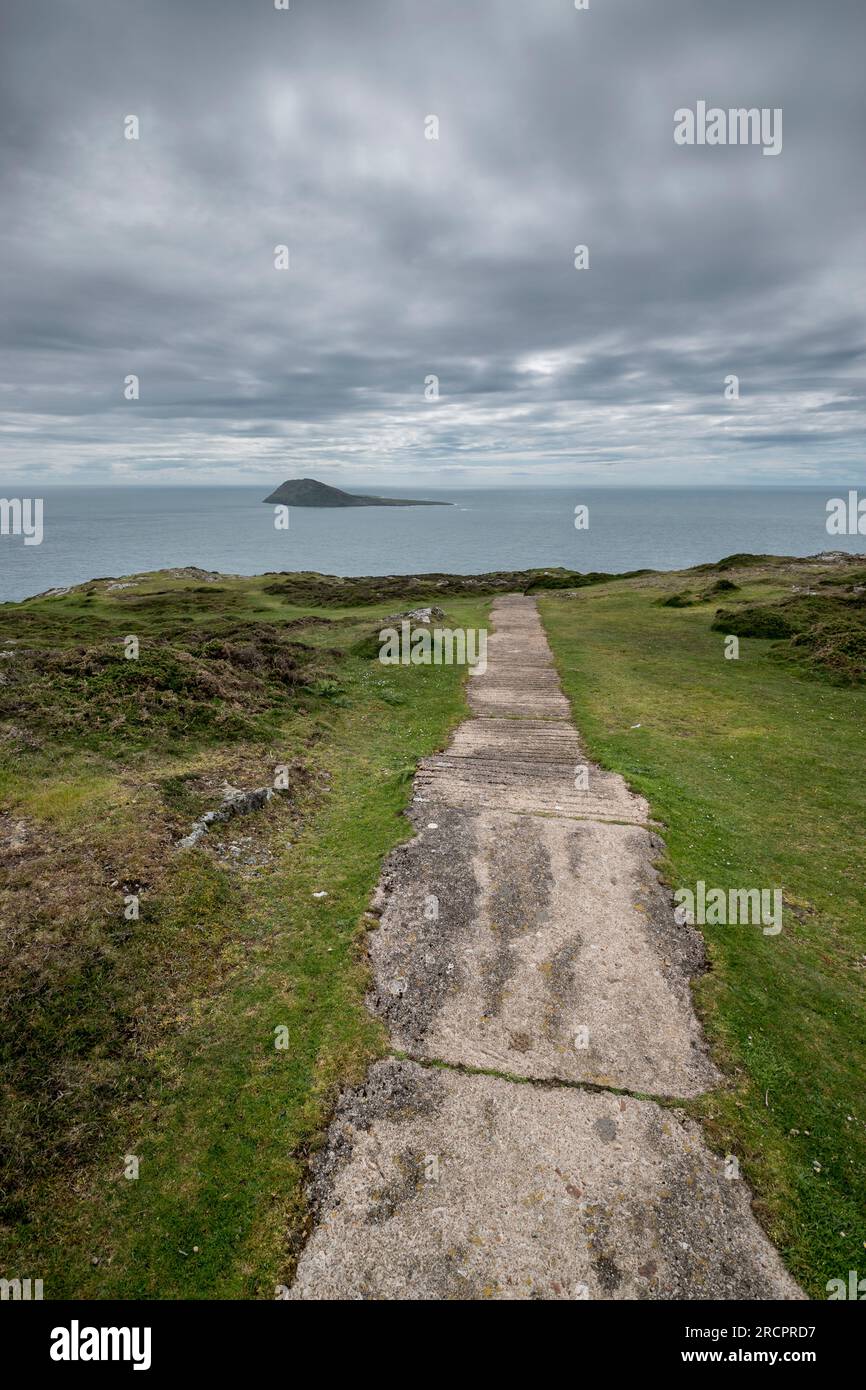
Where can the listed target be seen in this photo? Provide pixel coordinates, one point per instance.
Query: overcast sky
(412, 257)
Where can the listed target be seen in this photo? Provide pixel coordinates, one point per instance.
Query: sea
(95, 532)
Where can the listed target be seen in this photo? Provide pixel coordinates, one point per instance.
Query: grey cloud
(412, 258)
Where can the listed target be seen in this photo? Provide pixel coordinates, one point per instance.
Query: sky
(411, 257)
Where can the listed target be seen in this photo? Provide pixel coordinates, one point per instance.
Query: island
(308, 492)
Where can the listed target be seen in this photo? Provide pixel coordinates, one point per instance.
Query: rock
(235, 803)
(417, 615)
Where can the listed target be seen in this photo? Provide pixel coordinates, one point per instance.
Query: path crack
(549, 1083)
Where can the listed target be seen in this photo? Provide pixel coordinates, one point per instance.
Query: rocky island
(308, 492)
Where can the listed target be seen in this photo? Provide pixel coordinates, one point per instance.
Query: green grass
(156, 1037)
(759, 775)
(823, 632)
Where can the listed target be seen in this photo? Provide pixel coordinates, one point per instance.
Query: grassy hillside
(154, 1037)
(757, 767)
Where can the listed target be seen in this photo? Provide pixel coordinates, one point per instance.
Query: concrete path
(529, 969)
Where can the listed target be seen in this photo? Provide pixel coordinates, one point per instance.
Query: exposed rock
(235, 803)
(417, 615)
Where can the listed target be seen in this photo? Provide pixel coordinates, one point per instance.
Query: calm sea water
(92, 532)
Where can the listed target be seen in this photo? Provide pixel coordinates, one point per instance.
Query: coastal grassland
(757, 768)
(155, 1036)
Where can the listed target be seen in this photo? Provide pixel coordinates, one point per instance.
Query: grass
(331, 591)
(823, 631)
(757, 769)
(154, 1037)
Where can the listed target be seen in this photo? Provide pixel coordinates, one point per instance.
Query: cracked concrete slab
(553, 953)
(441, 1186)
(525, 931)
